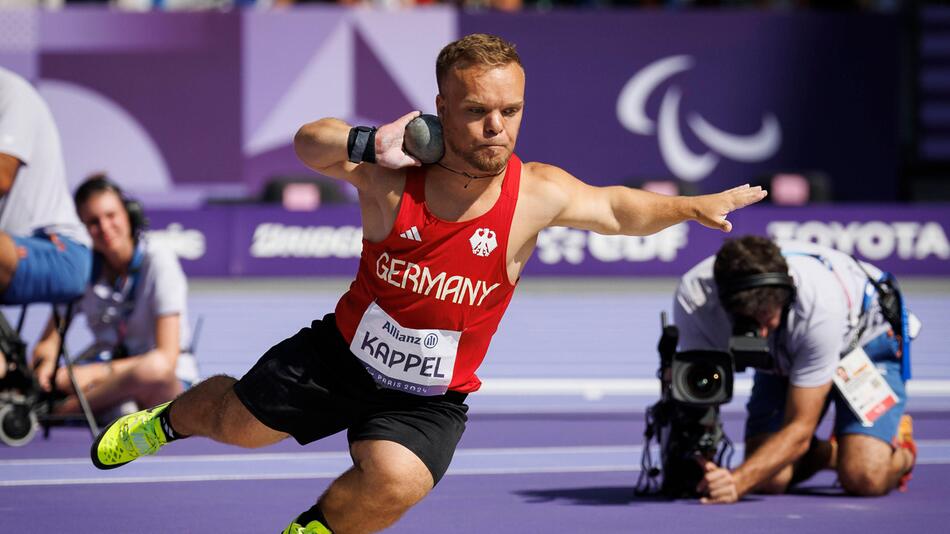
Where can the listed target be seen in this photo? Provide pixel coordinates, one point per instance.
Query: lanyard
(121, 294)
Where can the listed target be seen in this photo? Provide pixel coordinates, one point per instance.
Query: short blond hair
(475, 49)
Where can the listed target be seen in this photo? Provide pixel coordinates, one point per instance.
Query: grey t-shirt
(834, 305)
(161, 290)
(39, 198)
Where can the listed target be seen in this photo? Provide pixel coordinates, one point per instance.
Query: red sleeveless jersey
(429, 286)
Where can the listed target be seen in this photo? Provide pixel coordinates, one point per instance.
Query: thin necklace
(467, 175)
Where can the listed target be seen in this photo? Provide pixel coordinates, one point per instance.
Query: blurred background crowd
(502, 5)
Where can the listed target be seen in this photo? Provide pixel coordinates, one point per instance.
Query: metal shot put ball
(423, 139)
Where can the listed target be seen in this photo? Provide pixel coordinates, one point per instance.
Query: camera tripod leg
(62, 325)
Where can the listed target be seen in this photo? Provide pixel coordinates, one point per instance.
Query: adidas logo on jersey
(412, 234)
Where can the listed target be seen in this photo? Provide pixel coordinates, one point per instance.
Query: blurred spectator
(500, 5)
(306, 193)
(174, 5)
(20, 4)
(44, 254)
(136, 307)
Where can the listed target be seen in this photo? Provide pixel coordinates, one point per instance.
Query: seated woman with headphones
(136, 307)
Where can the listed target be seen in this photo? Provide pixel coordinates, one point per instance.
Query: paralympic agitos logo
(679, 158)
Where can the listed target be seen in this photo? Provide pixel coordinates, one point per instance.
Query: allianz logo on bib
(420, 361)
(406, 362)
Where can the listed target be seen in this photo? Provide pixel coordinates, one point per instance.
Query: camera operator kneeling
(818, 309)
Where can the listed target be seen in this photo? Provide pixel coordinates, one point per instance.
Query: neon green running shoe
(129, 437)
(313, 527)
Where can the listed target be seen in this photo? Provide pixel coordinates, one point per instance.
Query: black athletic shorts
(311, 386)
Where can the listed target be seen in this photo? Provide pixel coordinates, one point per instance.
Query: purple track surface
(526, 463)
(499, 481)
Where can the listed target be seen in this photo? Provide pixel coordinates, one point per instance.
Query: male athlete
(443, 249)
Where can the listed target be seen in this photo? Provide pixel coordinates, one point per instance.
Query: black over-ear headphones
(99, 184)
(751, 281)
(744, 326)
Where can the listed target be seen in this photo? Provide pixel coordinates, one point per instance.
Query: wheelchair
(24, 406)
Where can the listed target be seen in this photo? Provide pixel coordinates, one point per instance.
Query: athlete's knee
(213, 391)
(863, 480)
(399, 494)
(396, 485)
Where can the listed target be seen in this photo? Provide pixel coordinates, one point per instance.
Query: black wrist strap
(361, 144)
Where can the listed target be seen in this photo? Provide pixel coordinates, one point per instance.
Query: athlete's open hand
(389, 137)
(711, 210)
(718, 485)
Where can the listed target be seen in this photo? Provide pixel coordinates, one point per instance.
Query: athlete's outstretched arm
(322, 146)
(618, 210)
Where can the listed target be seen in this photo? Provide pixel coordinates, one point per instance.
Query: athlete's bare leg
(386, 480)
(212, 409)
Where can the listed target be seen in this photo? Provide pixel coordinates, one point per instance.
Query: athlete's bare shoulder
(545, 188)
(544, 178)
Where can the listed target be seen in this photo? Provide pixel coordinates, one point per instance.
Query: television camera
(686, 423)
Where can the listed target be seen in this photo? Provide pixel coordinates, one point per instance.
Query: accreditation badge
(414, 360)
(863, 388)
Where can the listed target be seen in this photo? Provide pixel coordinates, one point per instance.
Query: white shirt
(828, 313)
(39, 198)
(161, 290)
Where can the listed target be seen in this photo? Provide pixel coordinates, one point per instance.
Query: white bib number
(417, 361)
(863, 387)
